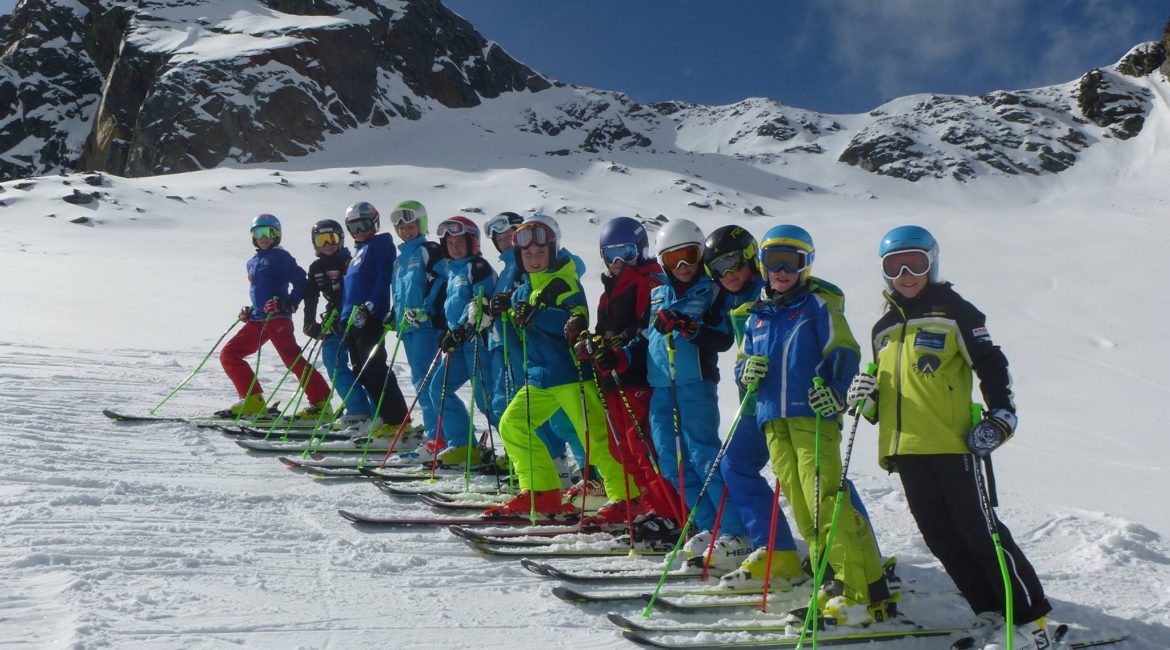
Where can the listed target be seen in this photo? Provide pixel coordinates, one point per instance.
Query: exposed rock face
(167, 86)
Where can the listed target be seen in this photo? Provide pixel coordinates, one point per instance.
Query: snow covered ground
(167, 536)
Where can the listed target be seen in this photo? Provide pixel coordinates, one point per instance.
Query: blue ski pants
(421, 346)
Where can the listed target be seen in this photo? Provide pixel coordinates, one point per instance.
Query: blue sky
(840, 56)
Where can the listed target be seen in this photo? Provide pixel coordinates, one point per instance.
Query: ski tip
(637, 638)
(569, 595)
(116, 417)
(538, 568)
(349, 516)
(290, 463)
(623, 622)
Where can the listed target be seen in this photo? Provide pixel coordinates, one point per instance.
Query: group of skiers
(635, 396)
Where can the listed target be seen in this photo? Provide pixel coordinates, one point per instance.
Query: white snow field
(168, 536)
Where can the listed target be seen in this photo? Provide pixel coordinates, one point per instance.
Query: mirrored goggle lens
(915, 262)
(448, 228)
(527, 236)
(688, 255)
(498, 225)
(729, 263)
(354, 226)
(624, 252)
(403, 216)
(265, 232)
(322, 239)
(784, 259)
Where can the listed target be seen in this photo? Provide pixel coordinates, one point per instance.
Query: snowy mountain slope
(167, 536)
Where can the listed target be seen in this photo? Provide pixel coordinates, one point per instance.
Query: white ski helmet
(678, 232)
(540, 222)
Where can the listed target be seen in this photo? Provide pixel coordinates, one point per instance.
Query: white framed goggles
(915, 262)
(402, 216)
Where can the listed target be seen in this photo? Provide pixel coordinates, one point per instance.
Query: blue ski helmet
(624, 233)
(911, 238)
(266, 221)
(789, 238)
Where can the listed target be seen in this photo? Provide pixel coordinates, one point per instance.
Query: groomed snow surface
(168, 536)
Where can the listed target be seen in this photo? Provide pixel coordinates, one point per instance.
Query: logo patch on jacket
(930, 340)
(981, 333)
(928, 363)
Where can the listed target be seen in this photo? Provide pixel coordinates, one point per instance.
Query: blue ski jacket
(804, 335)
(695, 359)
(420, 278)
(559, 294)
(466, 277)
(274, 273)
(369, 275)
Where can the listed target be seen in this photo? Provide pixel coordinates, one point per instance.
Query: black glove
(452, 339)
(585, 349)
(612, 359)
(500, 303)
(313, 330)
(991, 432)
(523, 313)
(361, 313)
(577, 325)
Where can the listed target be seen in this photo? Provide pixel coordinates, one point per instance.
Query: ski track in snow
(169, 536)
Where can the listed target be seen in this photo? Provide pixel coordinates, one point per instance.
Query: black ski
(558, 550)
(401, 522)
(604, 575)
(867, 636)
(573, 596)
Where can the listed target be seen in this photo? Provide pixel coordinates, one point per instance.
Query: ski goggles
(533, 234)
(914, 262)
(498, 226)
(685, 255)
(784, 258)
(627, 253)
(453, 228)
(729, 263)
(265, 232)
(403, 216)
(361, 224)
(323, 239)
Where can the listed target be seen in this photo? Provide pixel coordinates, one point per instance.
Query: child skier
(276, 285)
(418, 290)
(926, 347)
(623, 314)
(796, 334)
(470, 280)
(549, 294)
(730, 258)
(327, 279)
(367, 301)
(689, 329)
(506, 367)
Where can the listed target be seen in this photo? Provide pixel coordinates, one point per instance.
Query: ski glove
(826, 401)
(416, 316)
(861, 392)
(245, 313)
(523, 313)
(991, 432)
(585, 349)
(452, 339)
(577, 325)
(478, 318)
(612, 359)
(361, 313)
(672, 320)
(753, 370)
(273, 306)
(313, 330)
(500, 303)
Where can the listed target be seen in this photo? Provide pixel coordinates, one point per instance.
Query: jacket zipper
(784, 369)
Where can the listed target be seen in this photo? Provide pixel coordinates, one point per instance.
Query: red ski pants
(248, 340)
(634, 453)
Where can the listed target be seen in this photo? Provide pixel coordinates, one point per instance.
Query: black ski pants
(944, 499)
(378, 379)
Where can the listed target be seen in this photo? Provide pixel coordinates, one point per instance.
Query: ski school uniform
(272, 273)
(804, 334)
(926, 350)
(623, 315)
(694, 390)
(506, 370)
(368, 282)
(747, 453)
(552, 384)
(468, 279)
(420, 282)
(327, 279)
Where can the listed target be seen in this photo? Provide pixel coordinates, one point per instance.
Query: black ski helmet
(725, 240)
(326, 226)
